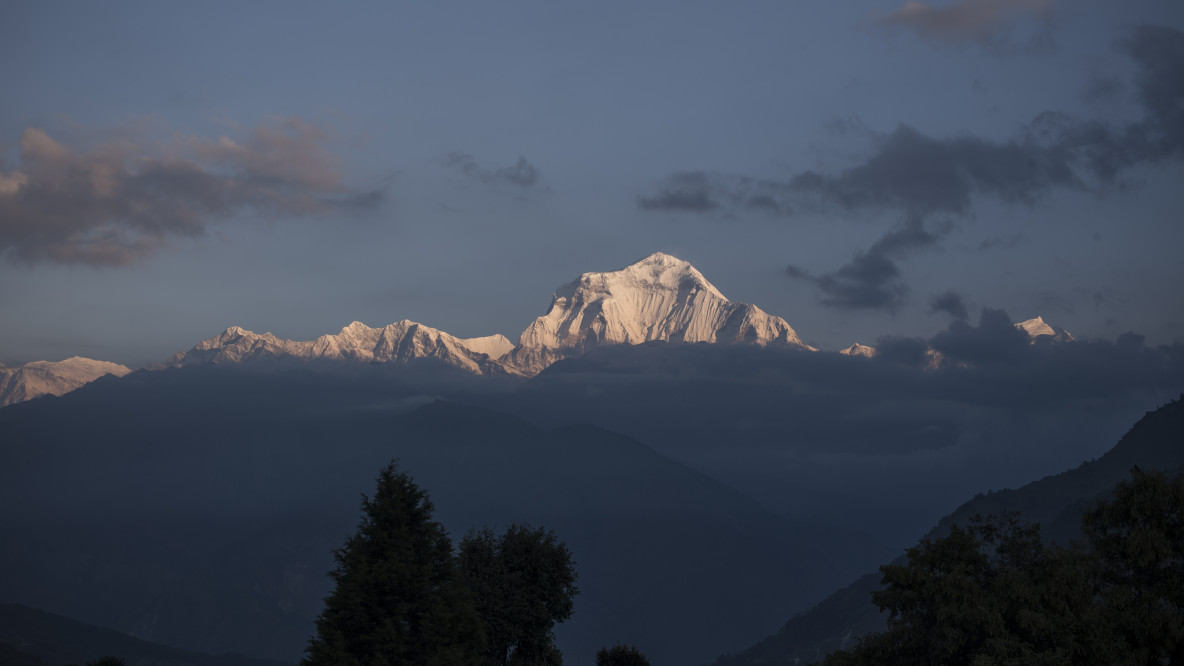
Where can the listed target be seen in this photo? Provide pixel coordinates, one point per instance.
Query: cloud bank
(116, 203)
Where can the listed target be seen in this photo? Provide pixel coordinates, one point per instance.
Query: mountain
(401, 342)
(1038, 328)
(660, 298)
(38, 378)
(495, 346)
(54, 640)
(857, 349)
(199, 507)
(1156, 442)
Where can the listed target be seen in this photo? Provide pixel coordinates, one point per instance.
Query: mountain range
(712, 472)
(658, 299)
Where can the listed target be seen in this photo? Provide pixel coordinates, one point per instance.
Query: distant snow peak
(660, 297)
(859, 350)
(401, 341)
(28, 381)
(495, 346)
(1037, 327)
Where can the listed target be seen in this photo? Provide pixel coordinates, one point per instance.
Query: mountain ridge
(38, 378)
(658, 298)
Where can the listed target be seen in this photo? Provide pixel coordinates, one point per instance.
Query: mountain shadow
(1155, 442)
(199, 507)
(53, 640)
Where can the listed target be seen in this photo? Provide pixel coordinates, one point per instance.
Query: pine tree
(397, 598)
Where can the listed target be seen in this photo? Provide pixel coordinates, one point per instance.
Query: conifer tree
(397, 598)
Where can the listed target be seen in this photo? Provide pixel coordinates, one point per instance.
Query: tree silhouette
(621, 655)
(397, 598)
(1137, 540)
(523, 583)
(994, 593)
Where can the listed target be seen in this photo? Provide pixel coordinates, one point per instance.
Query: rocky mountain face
(857, 349)
(38, 378)
(400, 342)
(660, 298)
(1037, 329)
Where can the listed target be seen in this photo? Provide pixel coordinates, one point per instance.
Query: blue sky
(169, 170)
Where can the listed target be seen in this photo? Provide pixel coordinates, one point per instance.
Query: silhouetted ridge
(1155, 442)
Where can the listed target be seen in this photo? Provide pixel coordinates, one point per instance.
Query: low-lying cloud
(116, 203)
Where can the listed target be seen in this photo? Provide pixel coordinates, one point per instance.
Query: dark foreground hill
(199, 507)
(1156, 442)
(33, 637)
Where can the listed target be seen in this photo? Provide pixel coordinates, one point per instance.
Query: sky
(862, 169)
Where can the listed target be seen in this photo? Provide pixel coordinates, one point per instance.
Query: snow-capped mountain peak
(857, 349)
(28, 381)
(1037, 327)
(660, 297)
(401, 341)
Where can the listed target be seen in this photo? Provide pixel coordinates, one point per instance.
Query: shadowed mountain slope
(1156, 442)
(55, 640)
(199, 507)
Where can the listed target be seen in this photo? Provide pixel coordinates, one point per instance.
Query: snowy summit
(660, 297)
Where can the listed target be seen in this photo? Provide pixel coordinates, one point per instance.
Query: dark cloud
(906, 351)
(950, 303)
(908, 171)
(872, 280)
(114, 204)
(995, 340)
(988, 23)
(703, 192)
(1159, 53)
(683, 191)
(521, 174)
(922, 175)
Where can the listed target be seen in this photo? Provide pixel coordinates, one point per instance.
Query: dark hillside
(1156, 442)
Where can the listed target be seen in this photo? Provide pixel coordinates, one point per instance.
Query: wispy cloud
(872, 280)
(522, 174)
(925, 178)
(988, 23)
(701, 192)
(116, 203)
